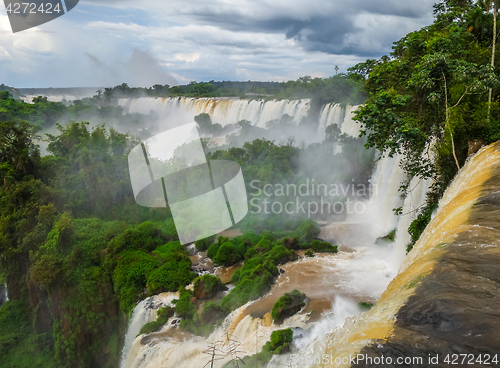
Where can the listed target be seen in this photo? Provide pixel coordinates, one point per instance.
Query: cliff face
(446, 297)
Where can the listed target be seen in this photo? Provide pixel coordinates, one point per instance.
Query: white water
(361, 275)
(415, 199)
(222, 111)
(231, 110)
(356, 276)
(334, 113)
(386, 181)
(56, 98)
(349, 126)
(143, 313)
(342, 309)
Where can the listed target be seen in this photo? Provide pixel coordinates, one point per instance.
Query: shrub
(280, 255)
(212, 250)
(130, 276)
(307, 231)
(211, 313)
(291, 242)
(168, 230)
(171, 248)
(250, 287)
(203, 244)
(150, 327)
(45, 270)
(227, 255)
(146, 236)
(184, 308)
(236, 277)
(309, 253)
(174, 273)
(251, 236)
(389, 238)
(14, 323)
(279, 344)
(418, 225)
(163, 314)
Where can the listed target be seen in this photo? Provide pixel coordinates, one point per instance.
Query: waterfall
(348, 278)
(226, 111)
(223, 111)
(415, 200)
(350, 126)
(386, 180)
(140, 316)
(54, 98)
(334, 113)
(457, 217)
(143, 313)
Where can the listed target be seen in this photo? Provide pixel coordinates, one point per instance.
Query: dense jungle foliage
(78, 253)
(435, 99)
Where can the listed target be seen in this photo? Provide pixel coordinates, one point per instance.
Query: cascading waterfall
(53, 98)
(347, 278)
(349, 126)
(223, 111)
(143, 313)
(378, 218)
(386, 181)
(140, 316)
(335, 113)
(332, 113)
(414, 200)
(453, 219)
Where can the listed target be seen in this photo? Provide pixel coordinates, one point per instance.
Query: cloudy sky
(144, 42)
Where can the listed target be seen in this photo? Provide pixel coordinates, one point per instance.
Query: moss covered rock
(280, 341)
(291, 243)
(288, 305)
(321, 246)
(206, 286)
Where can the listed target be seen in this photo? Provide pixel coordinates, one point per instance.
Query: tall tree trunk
(447, 123)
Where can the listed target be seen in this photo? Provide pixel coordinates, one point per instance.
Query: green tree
(431, 95)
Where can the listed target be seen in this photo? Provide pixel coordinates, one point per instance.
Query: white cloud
(200, 40)
(187, 57)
